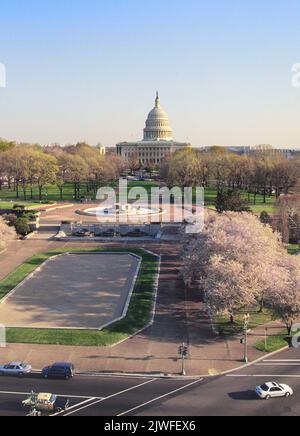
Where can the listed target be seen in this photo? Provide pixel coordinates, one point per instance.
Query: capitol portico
(157, 142)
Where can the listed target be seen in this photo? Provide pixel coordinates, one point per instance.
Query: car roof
(62, 364)
(44, 397)
(272, 385)
(15, 363)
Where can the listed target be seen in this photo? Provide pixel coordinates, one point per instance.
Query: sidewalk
(138, 356)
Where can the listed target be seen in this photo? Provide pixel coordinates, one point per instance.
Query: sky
(88, 70)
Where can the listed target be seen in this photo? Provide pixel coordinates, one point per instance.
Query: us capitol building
(158, 140)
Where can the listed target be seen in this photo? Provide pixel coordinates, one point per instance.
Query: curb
(178, 376)
(169, 376)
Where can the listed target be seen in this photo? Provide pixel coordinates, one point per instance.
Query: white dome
(157, 124)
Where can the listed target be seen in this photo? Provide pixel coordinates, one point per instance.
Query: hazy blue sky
(89, 69)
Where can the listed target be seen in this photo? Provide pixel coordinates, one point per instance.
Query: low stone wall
(117, 229)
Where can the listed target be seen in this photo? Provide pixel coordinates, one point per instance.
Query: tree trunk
(289, 329)
(261, 306)
(17, 189)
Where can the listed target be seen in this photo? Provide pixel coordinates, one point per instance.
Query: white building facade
(157, 143)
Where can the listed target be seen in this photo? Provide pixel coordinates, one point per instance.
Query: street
(90, 395)
(231, 395)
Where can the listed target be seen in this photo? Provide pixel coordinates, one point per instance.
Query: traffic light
(183, 350)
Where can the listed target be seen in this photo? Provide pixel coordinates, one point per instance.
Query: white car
(273, 390)
(16, 368)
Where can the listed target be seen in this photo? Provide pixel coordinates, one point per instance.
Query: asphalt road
(231, 395)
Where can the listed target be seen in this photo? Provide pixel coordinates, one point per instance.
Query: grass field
(274, 343)
(138, 316)
(51, 193)
(11, 204)
(293, 248)
(257, 206)
(225, 328)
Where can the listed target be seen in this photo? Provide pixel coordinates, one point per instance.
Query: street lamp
(246, 323)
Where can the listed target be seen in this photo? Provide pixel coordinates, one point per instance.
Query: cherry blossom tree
(285, 298)
(229, 286)
(234, 260)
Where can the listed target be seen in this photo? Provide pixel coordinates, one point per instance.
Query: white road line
(262, 375)
(75, 406)
(283, 361)
(277, 364)
(79, 397)
(160, 398)
(111, 396)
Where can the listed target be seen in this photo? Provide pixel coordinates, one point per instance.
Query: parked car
(273, 390)
(59, 370)
(46, 403)
(16, 369)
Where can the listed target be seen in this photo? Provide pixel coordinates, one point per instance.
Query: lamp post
(246, 323)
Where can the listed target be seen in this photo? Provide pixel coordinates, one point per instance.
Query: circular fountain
(123, 211)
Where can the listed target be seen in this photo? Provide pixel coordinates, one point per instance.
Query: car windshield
(264, 388)
(23, 365)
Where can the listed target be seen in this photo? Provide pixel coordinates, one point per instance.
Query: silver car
(273, 390)
(16, 368)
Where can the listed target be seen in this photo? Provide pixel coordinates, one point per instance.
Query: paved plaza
(80, 291)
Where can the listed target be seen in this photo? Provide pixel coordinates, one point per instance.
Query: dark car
(59, 370)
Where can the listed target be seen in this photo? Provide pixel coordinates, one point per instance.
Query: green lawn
(274, 343)
(11, 204)
(256, 206)
(225, 328)
(293, 248)
(51, 193)
(138, 316)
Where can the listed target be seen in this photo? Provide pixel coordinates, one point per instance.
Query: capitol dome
(157, 124)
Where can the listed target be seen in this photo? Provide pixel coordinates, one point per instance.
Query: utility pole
(246, 323)
(266, 339)
(183, 352)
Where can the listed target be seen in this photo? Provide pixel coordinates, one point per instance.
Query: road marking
(75, 406)
(160, 398)
(111, 396)
(262, 375)
(283, 361)
(75, 397)
(117, 376)
(277, 364)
